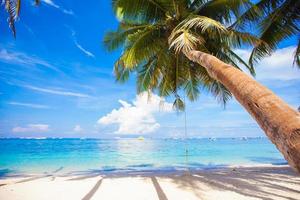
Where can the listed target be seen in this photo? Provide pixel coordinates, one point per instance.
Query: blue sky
(56, 81)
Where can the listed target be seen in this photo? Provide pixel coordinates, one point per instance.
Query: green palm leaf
(277, 20)
(13, 8)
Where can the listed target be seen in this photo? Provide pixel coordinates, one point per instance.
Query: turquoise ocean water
(71, 155)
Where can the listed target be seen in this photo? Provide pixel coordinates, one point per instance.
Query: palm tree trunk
(279, 121)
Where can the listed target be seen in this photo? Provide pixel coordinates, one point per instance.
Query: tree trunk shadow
(52, 174)
(160, 193)
(32, 178)
(91, 193)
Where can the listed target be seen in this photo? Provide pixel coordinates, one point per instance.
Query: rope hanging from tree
(186, 139)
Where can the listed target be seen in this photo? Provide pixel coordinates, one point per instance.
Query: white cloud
(278, 66)
(51, 3)
(88, 53)
(30, 105)
(57, 92)
(31, 128)
(138, 117)
(77, 129)
(23, 59)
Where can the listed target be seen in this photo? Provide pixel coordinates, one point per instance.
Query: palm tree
(157, 37)
(158, 68)
(13, 8)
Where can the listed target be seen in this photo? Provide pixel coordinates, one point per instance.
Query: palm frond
(178, 104)
(237, 39)
(202, 23)
(141, 10)
(221, 93)
(279, 21)
(148, 76)
(240, 60)
(165, 87)
(297, 55)
(184, 41)
(142, 45)
(191, 84)
(121, 72)
(13, 8)
(114, 39)
(253, 14)
(223, 11)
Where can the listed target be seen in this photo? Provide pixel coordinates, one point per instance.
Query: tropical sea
(123, 155)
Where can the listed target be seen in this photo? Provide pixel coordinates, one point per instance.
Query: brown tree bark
(279, 121)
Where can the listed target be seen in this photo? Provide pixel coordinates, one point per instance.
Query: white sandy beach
(221, 184)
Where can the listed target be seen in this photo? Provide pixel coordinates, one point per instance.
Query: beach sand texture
(265, 183)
